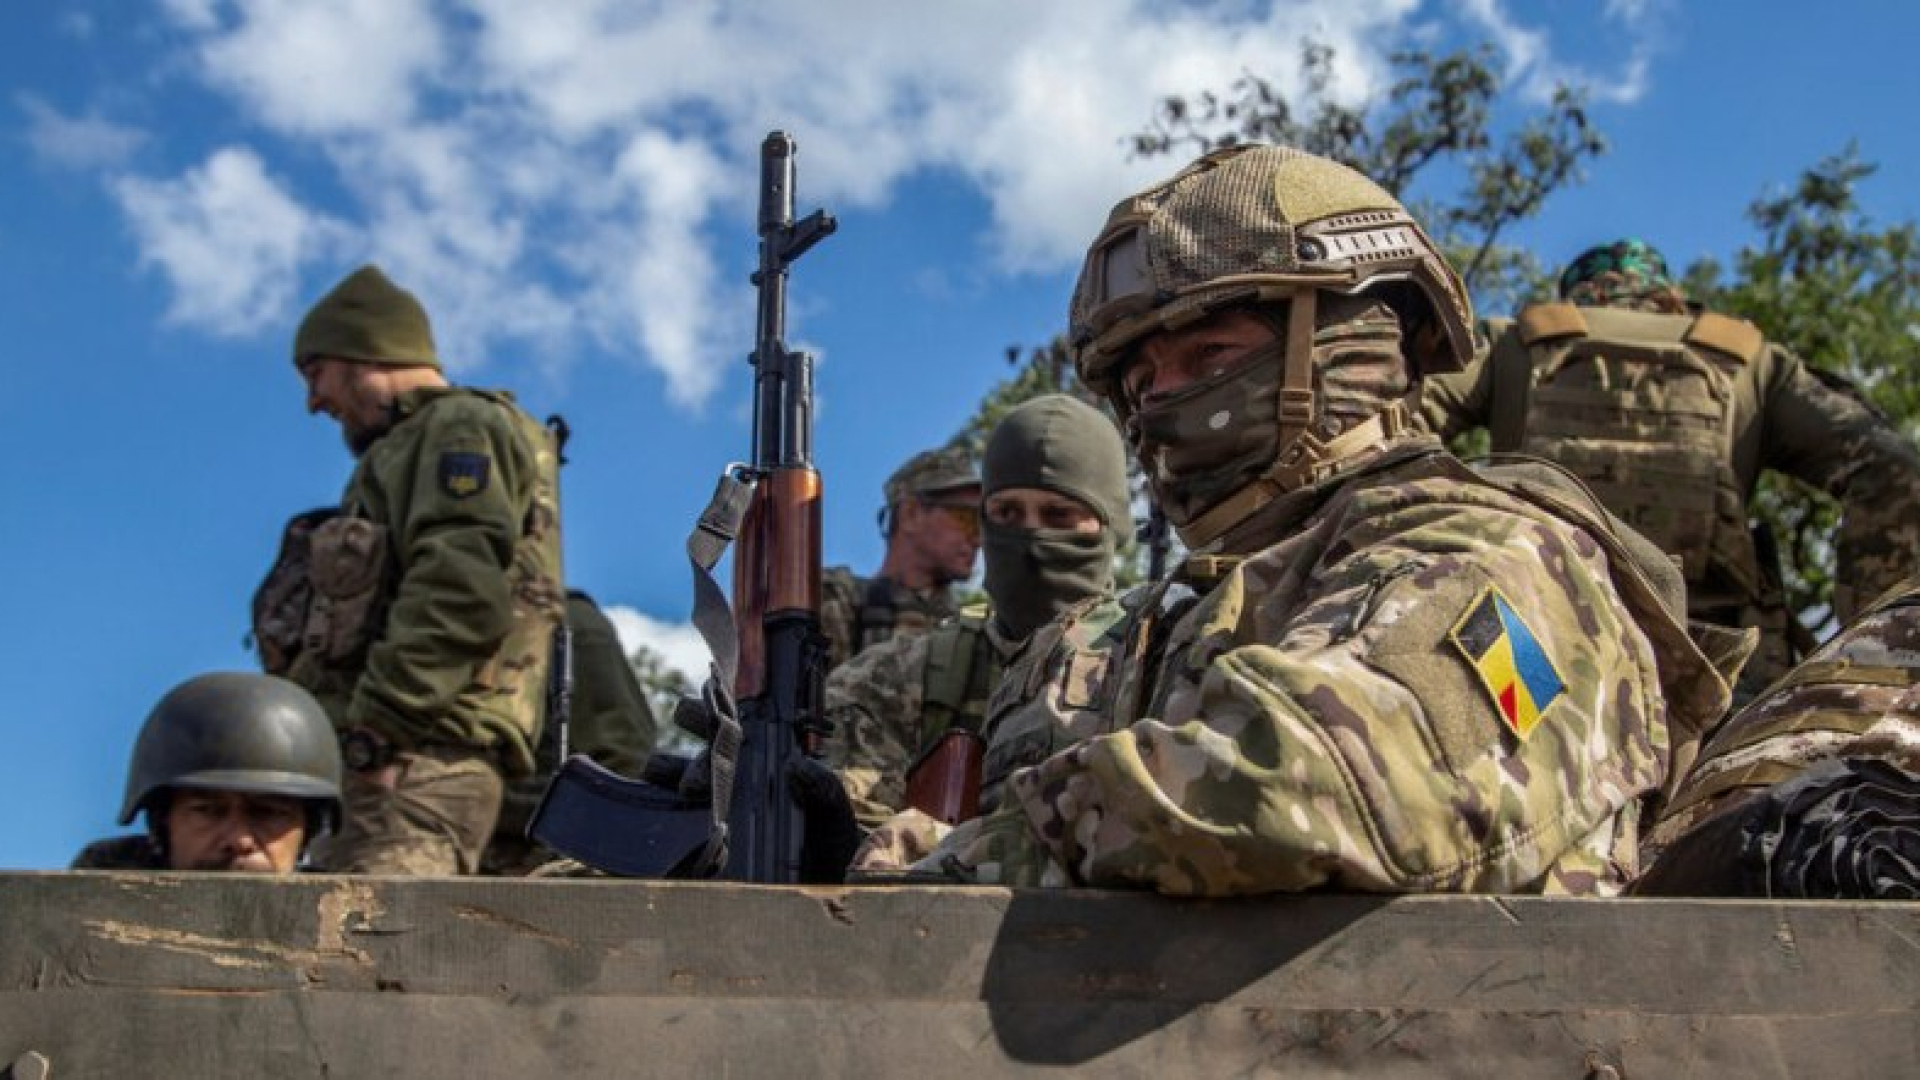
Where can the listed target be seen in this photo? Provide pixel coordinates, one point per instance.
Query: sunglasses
(964, 515)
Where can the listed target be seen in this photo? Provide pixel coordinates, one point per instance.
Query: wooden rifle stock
(945, 783)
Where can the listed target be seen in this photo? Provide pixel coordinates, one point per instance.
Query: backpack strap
(875, 615)
(1538, 325)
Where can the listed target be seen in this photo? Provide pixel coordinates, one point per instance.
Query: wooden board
(184, 975)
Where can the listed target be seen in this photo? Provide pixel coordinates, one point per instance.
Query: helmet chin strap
(1305, 457)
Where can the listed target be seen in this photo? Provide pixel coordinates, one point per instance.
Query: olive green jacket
(463, 490)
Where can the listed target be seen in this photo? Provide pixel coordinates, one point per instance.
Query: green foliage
(664, 686)
(1437, 119)
(1844, 293)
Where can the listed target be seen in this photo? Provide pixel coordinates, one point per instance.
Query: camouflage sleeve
(874, 703)
(465, 494)
(1457, 401)
(611, 721)
(1818, 429)
(1463, 707)
(839, 608)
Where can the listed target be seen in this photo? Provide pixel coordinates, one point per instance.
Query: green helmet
(1253, 224)
(235, 731)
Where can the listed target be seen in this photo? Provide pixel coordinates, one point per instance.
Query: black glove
(830, 835)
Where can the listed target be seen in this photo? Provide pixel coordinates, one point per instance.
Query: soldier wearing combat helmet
(931, 522)
(1379, 670)
(234, 772)
(1670, 414)
(421, 611)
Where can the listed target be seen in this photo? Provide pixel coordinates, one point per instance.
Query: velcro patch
(464, 473)
(1509, 659)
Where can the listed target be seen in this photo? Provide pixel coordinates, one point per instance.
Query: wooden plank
(118, 975)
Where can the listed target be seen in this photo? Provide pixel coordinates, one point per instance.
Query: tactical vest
(321, 600)
(962, 665)
(1640, 407)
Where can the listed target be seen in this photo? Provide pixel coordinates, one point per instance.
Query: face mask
(1204, 441)
(1035, 574)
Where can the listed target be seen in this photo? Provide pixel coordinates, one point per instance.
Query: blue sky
(569, 187)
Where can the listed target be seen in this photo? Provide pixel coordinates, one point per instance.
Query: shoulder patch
(1512, 666)
(464, 473)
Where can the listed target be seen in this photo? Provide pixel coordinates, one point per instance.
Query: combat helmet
(1253, 223)
(1263, 225)
(236, 731)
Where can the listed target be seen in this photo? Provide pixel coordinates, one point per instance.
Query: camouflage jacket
(883, 718)
(1857, 697)
(137, 852)
(1416, 679)
(858, 613)
(452, 571)
(1731, 406)
(608, 720)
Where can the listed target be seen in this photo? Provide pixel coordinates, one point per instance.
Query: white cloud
(77, 142)
(229, 237)
(1534, 68)
(678, 643)
(553, 175)
(345, 66)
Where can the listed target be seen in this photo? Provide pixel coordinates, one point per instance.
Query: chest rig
(1641, 407)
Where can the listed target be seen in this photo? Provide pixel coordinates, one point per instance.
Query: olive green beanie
(1059, 443)
(369, 319)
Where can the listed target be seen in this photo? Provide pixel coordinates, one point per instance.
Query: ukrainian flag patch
(1509, 660)
(463, 473)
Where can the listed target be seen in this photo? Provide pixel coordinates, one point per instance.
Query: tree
(1438, 118)
(1844, 293)
(664, 686)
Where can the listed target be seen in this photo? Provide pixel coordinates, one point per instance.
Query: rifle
(1157, 534)
(776, 571)
(688, 822)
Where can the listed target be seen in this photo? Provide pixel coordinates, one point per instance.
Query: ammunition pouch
(281, 602)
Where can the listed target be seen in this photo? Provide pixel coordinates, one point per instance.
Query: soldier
(1055, 508)
(433, 591)
(931, 522)
(1670, 415)
(1813, 790)
(608, 719)
(236, 772)
(1379, 670)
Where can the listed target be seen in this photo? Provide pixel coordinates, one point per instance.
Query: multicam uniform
(1380, 670)
(858, 613)
(1430, 682)
(893, 702)
(1814, 788)
(1670, 416)
(434, 594)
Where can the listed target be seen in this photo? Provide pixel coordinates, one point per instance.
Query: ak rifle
(732, 812)
(776, 568)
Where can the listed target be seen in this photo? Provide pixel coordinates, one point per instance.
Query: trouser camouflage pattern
(433, 823)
